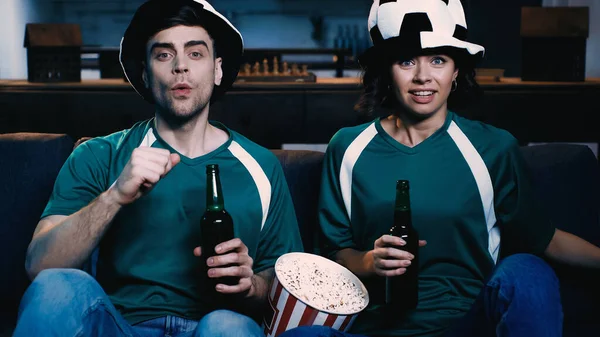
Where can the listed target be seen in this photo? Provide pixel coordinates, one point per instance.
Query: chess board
(275, 73)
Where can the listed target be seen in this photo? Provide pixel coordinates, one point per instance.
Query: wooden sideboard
(273, 114)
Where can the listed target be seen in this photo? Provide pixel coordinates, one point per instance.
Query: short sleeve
(333, 217)
(524, 227)
(280, 233)
(80, 180)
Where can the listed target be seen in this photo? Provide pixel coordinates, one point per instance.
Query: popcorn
(320, 287)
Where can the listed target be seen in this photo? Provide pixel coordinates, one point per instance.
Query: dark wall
(495, 24)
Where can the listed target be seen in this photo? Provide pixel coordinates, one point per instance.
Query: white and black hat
(401, 28)
(151, 17)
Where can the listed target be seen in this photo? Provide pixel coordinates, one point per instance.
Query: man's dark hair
(186, 16)
(378, 92)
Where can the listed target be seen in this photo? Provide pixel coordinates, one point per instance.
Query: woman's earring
(454, 85)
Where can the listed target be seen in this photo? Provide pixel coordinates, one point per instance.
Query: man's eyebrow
(161, 45)
(168, 45)
(196, 43)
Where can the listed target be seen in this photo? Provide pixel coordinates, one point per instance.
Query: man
(139, 194)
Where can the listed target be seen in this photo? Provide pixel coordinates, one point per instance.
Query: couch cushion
(30, 164)
(302, 169)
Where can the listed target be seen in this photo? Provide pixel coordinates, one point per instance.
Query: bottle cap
(212, 167)
(402, 184)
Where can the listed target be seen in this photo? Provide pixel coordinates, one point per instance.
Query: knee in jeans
(526, 270)
(51, 283)
(54, 290)
(226, 323)
(528, 264)
(59, 277)
(217, 317)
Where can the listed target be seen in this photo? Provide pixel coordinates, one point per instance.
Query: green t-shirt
(470, 196)
(146, 263)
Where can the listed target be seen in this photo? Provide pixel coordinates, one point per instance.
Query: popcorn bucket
(311, 290)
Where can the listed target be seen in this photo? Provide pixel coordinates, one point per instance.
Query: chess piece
(265, 67)
(275, 66)
(295, 71)
(247, 69)
(285, 69)
(256, 69)
(304, 70)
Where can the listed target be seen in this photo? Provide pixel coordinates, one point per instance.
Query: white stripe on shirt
(350, 157)
(149, 138)
(484, 184)
(258, 175)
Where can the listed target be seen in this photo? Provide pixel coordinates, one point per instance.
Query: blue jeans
(69, 302)
(520, 299)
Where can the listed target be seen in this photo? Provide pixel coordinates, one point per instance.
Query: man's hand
(389, 260)
(233, 260)
(145, 168)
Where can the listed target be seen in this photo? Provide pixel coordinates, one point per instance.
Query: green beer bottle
(402, 291)
(216, 225)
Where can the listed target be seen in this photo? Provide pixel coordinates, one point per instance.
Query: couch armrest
(566, 178)
(30, 164)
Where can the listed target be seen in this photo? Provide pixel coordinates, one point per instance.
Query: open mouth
(423, 93)
(422, 96)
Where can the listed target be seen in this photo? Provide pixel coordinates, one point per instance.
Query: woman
(481, 271)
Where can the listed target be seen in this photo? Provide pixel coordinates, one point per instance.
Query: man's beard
(175, 119)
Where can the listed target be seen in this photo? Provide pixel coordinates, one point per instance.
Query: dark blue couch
(566, 178)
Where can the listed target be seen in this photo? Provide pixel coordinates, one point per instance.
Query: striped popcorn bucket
(286, 309)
